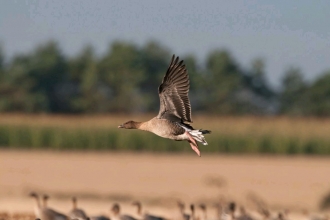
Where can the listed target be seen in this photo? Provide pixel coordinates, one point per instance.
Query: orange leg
(193, 144)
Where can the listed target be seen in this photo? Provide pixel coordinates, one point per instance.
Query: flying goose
(174, 114)
(145, 216)
(75, 212)
(45, 213)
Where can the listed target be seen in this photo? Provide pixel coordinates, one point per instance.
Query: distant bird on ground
(116, 213)
(244, 215)
(174, 114)
(184, 216)
(44, 200)
(45, 213)
(193, 214)
(100, 217)
(75, 212)
(145, 216)
(232, 209)
(204, 211)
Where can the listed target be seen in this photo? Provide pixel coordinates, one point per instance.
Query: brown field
(99, 179)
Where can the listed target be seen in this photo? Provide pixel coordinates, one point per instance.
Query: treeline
(125, 80)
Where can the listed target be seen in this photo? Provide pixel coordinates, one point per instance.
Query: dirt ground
(99, 179)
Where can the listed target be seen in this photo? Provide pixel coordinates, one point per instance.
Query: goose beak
(120, 126)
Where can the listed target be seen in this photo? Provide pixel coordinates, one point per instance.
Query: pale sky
(284, 33)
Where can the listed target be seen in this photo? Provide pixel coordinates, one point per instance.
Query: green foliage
(125, 80)
(86, 83)
(62, 138)
(155, 60)
(293, 95)
(122, 70)
(225, 80)
(32, 82)
(318, 96)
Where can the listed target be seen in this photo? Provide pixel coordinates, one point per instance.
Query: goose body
(100, 217)
(118, 216)
(183, 215)
(145, 216)
(77, 213)
(45, 213)
(174, 117)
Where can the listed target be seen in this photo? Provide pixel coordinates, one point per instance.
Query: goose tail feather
(198, 135)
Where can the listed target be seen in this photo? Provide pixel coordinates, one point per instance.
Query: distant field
(100, 179)
(239, 135)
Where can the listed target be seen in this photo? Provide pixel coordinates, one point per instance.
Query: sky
(283, 33)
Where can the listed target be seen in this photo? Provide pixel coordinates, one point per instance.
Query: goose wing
(173, 93)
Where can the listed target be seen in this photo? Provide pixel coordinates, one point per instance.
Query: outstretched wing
(173, 93)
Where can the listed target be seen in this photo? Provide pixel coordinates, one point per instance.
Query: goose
(221, 211)
(184, 215)
(46, 213)
(75, 212)
(174, 117)
(37, 208)
(100, 217)
(204, 211)
(192, 210)
(232, 209)
(116, 213)
(44, 200)
(145, 216)
(244, 215)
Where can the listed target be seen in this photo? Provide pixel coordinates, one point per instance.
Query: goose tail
(198, 135)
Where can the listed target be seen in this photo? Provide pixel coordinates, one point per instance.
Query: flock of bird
(224, 211)
(44, 212)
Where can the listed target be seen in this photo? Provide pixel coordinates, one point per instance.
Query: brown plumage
(173, 93)
(46, 213)
(145, 216)
(116, 213)
(76, 212)
(174, 114)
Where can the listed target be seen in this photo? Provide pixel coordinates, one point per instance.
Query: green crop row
(74, 138)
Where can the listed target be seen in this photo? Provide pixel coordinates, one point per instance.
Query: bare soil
(99, 179)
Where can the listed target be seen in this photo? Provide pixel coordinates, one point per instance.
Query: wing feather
(173, 93)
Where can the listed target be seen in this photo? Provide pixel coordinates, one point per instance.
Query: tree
(89, 93)
(155, 60)
(318, 96)
(293, 95)
(33, 81)
(197, 80)
(258, 79)
(257, 95)
(224, 81)
(122, 70)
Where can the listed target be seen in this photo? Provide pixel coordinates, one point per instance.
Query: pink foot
(193, 144)
(195, 148)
